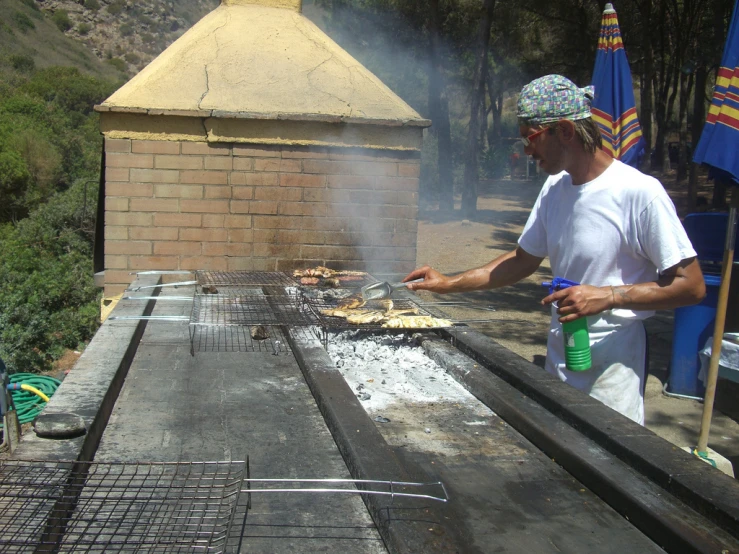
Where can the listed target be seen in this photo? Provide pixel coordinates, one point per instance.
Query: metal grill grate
(340, 323)
(211, 338)
(244, 278)
(117, 507)
(250, 307)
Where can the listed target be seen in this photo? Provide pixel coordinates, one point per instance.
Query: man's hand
(432, 280)
(580, 301)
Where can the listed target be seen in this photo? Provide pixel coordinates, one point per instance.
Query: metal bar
(188, 298)
(356, 491)
(390, 484)
(158, 272)
(151, 317)
(179, 284)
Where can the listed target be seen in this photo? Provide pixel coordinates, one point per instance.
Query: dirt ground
(452, 244)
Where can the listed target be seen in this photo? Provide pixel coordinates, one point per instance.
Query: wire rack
(340, 324)
(238, 339)
(243, 306)
(244, 278)
(117, 507)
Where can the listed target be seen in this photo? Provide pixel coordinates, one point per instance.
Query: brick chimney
(254, 142)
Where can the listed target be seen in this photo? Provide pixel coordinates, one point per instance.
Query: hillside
(106, 37)
(29, 38)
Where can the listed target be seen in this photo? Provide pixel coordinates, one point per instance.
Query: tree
(477, 103)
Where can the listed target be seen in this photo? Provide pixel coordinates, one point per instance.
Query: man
(603, 224)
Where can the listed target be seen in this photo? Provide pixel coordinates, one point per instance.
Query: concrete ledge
(91, 388)
(706, 490)
(663, 518)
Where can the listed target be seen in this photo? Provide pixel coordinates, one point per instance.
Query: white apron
(617, 375)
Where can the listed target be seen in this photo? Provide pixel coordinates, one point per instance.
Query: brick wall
(227, 207)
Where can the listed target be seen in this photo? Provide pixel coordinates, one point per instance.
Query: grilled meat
(351, 302)
(309, 280)
(364, 317)
(415, 322)
(259, 332)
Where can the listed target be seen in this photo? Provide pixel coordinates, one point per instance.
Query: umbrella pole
(718, 330)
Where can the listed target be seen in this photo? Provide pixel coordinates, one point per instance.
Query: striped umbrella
(614, 107)
(717, 148)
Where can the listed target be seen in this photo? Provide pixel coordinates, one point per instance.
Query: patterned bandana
(553, 97)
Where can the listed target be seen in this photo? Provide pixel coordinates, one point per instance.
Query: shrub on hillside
(118, 63)
(22, 22)
(48, 301)
(31, 4)
(93, 5)
(84, 28)
(22, 62)
(132, 58)
(61, 20)
(116, 7)
(68, 88)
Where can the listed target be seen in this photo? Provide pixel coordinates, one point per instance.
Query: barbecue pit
(522, 457)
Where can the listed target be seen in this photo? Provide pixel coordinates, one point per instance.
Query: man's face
(544, 146)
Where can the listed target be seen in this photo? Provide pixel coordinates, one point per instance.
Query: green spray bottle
(575, 333)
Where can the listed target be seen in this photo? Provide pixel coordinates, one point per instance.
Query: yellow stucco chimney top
(286, 4)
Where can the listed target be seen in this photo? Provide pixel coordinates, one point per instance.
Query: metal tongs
(380, 291)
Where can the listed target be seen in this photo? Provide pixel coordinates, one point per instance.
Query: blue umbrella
(614, 107)
(717, 148)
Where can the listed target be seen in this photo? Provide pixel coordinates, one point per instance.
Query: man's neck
(585, 166)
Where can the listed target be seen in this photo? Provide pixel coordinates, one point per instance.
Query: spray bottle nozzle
(559, 283)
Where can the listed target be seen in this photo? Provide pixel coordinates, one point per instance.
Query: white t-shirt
(620, 228)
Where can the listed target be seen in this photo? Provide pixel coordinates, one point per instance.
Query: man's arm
(504, 270)
(680, 285)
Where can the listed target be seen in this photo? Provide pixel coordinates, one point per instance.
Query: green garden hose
(28, 405)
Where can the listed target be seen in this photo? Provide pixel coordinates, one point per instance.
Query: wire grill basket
(243, 306)
(244, 278)
(117, 507)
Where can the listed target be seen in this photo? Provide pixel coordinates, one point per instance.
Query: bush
(132, 58)
(61, 20)
(126, 29)
(93, 5)
(495, 162)
(14, 181)
(23, 22)
(22, 62)
(48, 301)
(118, 63)
(31, 4)
(116, 7)
(84, 28)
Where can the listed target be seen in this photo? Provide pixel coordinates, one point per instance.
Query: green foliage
(118, 63)
(22, 62)
(48, 301)
(31, 4)
(132, 58)
(68, 88)
(93, 5)
(22, 22)
(84, 28)
(495, 161)
(116, 7)
(61, 20)
(126, 30)
(14, 180)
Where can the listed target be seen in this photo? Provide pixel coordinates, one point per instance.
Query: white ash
(388, 369)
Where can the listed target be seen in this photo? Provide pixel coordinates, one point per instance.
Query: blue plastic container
(693, 325)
